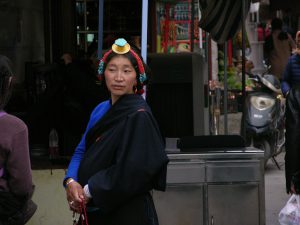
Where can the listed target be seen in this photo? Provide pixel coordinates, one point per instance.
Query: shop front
(178, 53)
(173, 46)
(181, 58)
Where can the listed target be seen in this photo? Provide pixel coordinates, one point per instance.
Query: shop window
(86, 24)
(120, 19)
(177, 27)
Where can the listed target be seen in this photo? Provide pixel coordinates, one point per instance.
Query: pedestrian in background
(121, 156)
(278, 48)
(16, 187)
(291, 89)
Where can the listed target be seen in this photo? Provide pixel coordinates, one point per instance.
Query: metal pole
(200, 30)
(192, 25)
(225, 90)
(243, 130)
(100, 28)
(144, 34)
(207, 39)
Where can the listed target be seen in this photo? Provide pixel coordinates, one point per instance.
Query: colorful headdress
(122, 47)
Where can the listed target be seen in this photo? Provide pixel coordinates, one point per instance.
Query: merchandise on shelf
(174, 25)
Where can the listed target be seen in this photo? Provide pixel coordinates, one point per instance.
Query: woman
(16, 188)
(121, 156)
(278, 48)
(291, 89)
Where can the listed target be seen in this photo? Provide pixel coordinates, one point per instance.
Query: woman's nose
(119, 76)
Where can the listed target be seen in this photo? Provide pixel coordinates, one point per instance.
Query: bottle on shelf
(53, 144)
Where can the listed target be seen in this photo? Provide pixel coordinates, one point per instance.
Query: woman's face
(120, 77)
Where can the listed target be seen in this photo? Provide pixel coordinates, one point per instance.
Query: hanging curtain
(222, 18)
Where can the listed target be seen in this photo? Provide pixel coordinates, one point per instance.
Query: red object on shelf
(175, 26)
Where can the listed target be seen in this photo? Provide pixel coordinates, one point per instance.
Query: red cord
(83, 214)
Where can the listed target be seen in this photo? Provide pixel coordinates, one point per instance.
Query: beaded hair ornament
(122, 47)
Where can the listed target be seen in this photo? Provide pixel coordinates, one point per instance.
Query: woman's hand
(75, 195)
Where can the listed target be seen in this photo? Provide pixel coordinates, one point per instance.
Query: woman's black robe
(124, 160)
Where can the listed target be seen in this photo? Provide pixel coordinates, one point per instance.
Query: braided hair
(6, 76)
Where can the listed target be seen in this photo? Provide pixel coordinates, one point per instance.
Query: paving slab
(275, 193)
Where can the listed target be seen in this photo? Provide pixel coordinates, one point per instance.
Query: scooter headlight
(262, 103)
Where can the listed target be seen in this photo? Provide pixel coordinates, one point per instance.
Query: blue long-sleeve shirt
(97, 113)
(291, 74)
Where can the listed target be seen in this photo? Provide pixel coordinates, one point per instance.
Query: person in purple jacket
(290, 87)
(16, 187)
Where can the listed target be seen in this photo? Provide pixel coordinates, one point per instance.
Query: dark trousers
(292, 145)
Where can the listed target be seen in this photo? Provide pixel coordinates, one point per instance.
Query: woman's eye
(111, 69)
(127, 71)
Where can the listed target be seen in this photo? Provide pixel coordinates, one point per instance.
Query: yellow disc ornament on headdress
(120, 46)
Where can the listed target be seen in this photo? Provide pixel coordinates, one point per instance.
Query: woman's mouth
(118, 87)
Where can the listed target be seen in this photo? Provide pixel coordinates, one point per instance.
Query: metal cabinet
(234, 192)
(233, 204)
(213, 188)
(182, 203)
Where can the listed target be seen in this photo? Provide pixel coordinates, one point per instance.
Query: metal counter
(213, 187)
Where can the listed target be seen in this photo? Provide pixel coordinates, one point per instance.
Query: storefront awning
(222, 18)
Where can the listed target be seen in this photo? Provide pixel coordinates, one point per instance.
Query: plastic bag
(290, 213)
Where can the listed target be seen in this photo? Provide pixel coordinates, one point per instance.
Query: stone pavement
(275, 194)
(53, 208)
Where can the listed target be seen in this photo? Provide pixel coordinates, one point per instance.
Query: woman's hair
(276, 24)
(6, 76)
(132, 59)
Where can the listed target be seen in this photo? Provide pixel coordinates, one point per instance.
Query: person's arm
(268, 47)
(292, 43)
(75, 192)
(18, 165)
(285, 84)
(97, 113)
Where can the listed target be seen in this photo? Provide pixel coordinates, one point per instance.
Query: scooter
(264, 116)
